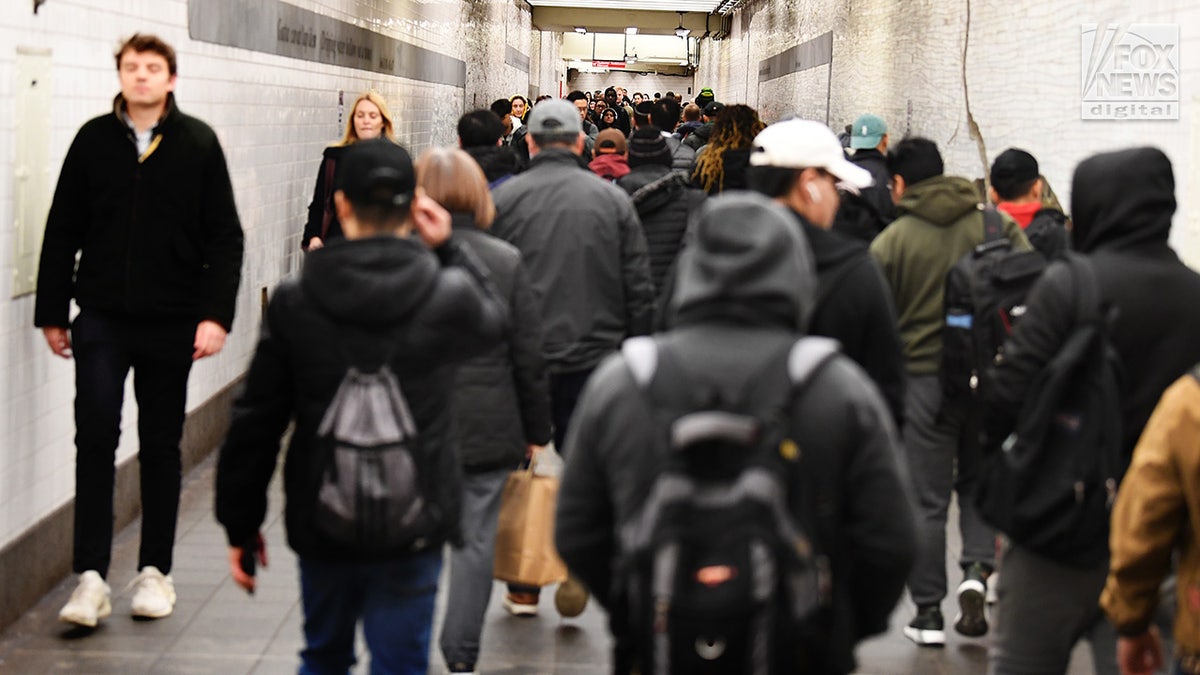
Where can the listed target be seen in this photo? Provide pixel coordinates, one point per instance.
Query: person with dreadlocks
(721, 165)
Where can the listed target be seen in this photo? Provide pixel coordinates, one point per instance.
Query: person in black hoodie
(1122, 204)
(865, 212)
(746, 288)
(145, 202)
(665, 200)
(501, 400)
(379, 294)
(797, 162)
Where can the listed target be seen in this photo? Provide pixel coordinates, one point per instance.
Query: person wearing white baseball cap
(799, 163)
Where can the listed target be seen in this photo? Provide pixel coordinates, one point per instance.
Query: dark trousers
(159, 352)
(392, 598)
(565, 389)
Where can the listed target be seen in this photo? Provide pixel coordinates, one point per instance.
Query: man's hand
(315, 243)
(1140, 654)
(210, 338)
(235, 564)
(431, 220)
(59, 340)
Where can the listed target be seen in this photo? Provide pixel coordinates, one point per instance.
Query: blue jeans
(393, 598)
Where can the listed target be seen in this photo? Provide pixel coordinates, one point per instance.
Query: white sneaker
(89, 601)
(153, 595)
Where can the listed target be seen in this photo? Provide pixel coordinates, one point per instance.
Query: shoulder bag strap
(327, 215)
(993, 225)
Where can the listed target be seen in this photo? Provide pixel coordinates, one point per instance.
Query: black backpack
(369, 497)
(984, 299)
(1051, 486)
(716, 574)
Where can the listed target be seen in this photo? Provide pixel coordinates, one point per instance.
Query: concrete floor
(217, 628)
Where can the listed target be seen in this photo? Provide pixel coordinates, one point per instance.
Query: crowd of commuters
(573, 265)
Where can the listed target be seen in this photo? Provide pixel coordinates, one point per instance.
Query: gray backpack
(369, 497)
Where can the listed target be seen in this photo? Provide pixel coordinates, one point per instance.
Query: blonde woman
(369, 118)
(501, 399)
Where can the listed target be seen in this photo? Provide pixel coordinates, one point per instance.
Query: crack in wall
(972, 125)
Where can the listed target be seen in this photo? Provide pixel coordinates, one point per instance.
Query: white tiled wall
(1022, 78)
(273, 116)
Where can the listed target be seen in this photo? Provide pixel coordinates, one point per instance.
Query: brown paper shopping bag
(525, 552)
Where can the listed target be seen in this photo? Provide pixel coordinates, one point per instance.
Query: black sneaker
(972, 600)
(928, 628)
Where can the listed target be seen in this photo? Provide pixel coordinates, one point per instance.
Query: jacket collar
(170, 112)
(554, 157)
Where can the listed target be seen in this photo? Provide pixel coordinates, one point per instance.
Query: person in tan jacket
(1158, 512)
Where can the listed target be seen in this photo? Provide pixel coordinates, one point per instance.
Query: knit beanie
(647, 146)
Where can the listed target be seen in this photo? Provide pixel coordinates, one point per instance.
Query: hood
(376, 281)
(940, 200)
(829, 248)
(653, 186)
(496, 161)
(748, 262)
(609, 166)
(1119, 199)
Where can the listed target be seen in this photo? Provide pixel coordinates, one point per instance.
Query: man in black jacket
(586, 255)
(865, 212)
(744, 294)
(144, 198)
(379, 296)
(664, 198)
(798, 162)
(1122, 204)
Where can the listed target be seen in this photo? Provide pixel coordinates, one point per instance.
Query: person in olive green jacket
(1158, 513)
(939, 218)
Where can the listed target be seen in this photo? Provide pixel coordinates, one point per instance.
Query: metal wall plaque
(278, 28)
(815, 52)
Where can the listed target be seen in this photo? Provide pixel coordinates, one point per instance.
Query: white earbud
(813, 192)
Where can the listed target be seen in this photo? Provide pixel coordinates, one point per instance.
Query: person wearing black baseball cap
(377, 297)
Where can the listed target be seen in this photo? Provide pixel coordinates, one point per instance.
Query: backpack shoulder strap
(993, 225)
(641, 356)
(807, 356)
(1087, 287)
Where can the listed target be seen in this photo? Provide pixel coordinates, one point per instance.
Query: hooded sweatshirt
(1122, 204)
(854, 307)
(939, 220)
(745, 291)
(357, 302)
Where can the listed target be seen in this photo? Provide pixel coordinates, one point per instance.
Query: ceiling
(704, 6)
(556, 19)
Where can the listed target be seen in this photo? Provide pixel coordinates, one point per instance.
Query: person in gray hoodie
(745, 291)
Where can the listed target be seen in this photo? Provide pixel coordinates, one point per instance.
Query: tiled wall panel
(273, 116)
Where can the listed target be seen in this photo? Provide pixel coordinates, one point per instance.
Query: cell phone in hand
(249, 559)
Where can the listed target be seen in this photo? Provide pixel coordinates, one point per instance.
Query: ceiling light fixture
(631, 58)
(632, 30)
(680, 31)
(581, 30)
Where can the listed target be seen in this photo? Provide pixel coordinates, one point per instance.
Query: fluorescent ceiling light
(580, 29)
(632, 30)
(680, 31)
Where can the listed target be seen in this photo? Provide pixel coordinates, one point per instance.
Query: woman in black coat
(369, 118)
(501, 398)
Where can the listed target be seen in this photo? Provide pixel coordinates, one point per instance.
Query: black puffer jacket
(157, 236)
(501, 398)
(742, 298)
(863, 217)
(854, 306)
(1122, 204)
(666, 202)
(355, 301)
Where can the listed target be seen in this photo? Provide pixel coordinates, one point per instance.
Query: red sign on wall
(608, 64)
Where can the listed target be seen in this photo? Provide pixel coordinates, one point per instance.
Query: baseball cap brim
(865, 142)
(851, 174)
